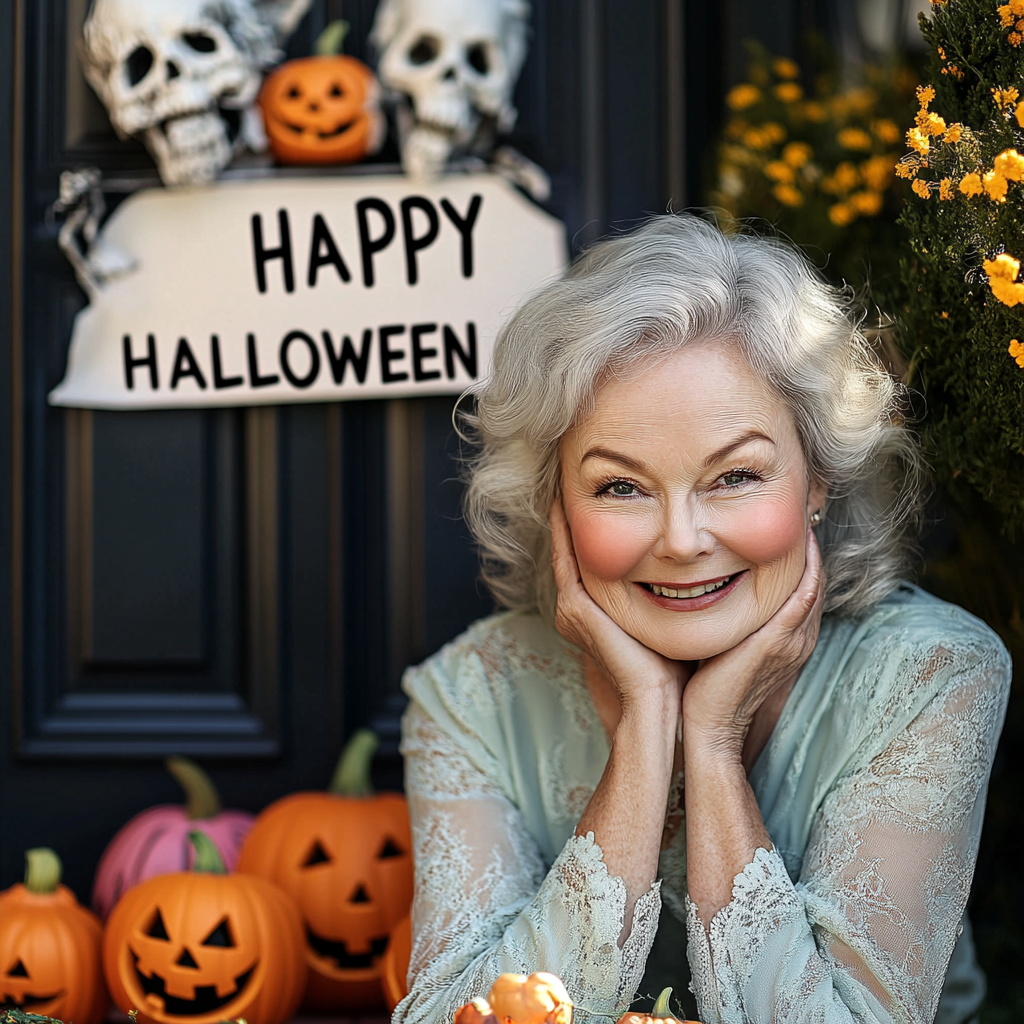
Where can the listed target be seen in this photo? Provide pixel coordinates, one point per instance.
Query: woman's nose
(684, 533)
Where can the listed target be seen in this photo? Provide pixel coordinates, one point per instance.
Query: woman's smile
(698, 505)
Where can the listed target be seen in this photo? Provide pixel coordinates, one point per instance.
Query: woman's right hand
(633, 670)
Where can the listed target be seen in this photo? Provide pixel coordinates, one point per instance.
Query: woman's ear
(817, 495)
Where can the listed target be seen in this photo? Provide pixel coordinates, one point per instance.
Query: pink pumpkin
(155, 842)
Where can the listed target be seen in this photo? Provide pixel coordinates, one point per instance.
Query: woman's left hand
(725, 692)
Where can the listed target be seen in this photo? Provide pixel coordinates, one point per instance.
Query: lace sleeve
(867, 932)
(485, 904)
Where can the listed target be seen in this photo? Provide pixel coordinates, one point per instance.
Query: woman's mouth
(691, 596)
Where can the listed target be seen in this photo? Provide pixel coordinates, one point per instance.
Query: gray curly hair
(640, 296)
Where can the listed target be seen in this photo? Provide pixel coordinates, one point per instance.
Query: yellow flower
(1017, 6)
(877, 172)
(1014, 38)
(774, 131)
(781, 172)
(1005, 97)
(867, 204)
(1010, 165)
(929, 123)
(796, 154)
(970, 185)
(815, 111)
(1006, 15)
(1016, 350)
(922, 188)
(995, 186)
(785, 68)
(887, 131)
(917, 139)
(788, 195)
(756, 138)
(854, 138)
(907, 167)
(925, 94)
(841, 214)
(953, 132)
(1019, 112)
(946, 188)
(845, 178)
(742, 96)
(788, 92)
(1002, 279)
(954, 71)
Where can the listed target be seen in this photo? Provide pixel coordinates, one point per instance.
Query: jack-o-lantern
(323, 109)
(50, 947)
(394, 968)
(345, 857)
(201, 946)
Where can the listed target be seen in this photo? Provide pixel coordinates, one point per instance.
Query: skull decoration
(457, 61)
(184, 74)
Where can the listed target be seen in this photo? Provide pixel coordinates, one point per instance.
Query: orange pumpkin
(540, 998)
(323, 109)
(50, 947)
(476, 1011)
(661, 1014)
(394, 968)
(201, 946)
(345, 857)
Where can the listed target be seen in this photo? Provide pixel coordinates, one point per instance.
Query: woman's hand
(635, 671)
(725, 692)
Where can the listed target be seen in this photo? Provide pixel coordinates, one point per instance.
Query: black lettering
(314, 359)
(347, 354)
(130, 362)
(419, 353)
(367, 245)
(413, 244)
(283, 252)
(323, 250)
(465, 225)
(452, 348)
(185, 365)
(219, 380)
(389, 355)
(256, 380)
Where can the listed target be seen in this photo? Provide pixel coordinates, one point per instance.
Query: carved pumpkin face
(200, 948)
(322, 110)
(347, 863)
(50, 956)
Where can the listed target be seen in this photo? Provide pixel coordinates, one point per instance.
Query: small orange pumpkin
(202, 946)
(323, 109)
(540, 998)
(50, 947)
(661, 1014)
(345, 857)
(394, 968)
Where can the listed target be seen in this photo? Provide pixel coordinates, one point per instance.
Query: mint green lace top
(872, 787)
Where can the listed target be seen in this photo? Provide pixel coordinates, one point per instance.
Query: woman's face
(688, 499)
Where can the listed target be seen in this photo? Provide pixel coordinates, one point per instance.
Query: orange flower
(970, 185)
(854, 138)
(922, 188)
(867, 204)
(918, 139)
(1005, 97)
(887, 131)
(995, 186)
(814, 111)
(785, 68)
(925, 94)
(1002, 279)
(788, 92)
(877, 172)
(1010, 165)
(953, 132)
(1019, 113)
(945, 189)
(796, 154)
(781, 172)
(1016, 350)
(841, 214)
(907, 167)
(742, 96)
(845, 178)
(787, 195)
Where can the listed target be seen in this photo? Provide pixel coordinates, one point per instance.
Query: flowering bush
(963, 284)
(819, 166)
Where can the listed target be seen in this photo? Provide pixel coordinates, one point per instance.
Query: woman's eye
(736, 479)
(621, 489)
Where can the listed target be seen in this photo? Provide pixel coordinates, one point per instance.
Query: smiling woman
(696, 494)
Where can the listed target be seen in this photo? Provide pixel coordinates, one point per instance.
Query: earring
(816, 517)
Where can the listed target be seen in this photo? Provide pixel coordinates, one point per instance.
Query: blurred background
(245, 586)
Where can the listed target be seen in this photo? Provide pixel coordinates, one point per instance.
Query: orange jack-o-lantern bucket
(201, 946)
(345, 857)
(323, 109)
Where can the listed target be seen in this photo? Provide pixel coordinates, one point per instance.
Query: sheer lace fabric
(872, 788)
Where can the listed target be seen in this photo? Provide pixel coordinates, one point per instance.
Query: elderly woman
(714, 742)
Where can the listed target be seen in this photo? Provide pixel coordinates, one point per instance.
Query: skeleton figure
(457, 61)
(184, 75)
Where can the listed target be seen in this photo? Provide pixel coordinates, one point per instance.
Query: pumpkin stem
(331, 41)
(207, 856)
(42, 871)
(661, 1004)
(201, 799)
(352, 776)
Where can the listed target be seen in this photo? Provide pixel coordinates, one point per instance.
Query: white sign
(251, 293)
